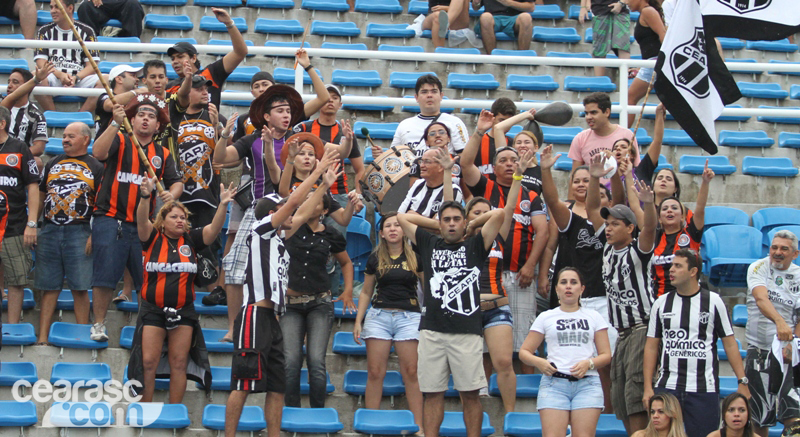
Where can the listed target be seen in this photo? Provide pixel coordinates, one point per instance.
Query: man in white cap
(123, 80)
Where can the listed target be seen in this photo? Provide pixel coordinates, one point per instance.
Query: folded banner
(752, 20)
(692, 80)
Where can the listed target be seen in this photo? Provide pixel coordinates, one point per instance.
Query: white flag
(753, 20)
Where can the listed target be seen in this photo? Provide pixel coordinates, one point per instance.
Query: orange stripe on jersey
(112, 210)
(485, 150)
(494, 286)
(183, 288)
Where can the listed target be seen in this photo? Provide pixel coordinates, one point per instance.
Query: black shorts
(258, 358)
(152, 315)
(7, 9)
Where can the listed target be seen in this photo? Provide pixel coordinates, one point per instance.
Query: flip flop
(43, 343)
(444, 23)
(121, 297)
(226, 340)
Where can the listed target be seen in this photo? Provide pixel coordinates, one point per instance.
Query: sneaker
(98, 332)
(110, 31)
(216, 297)
(484, 392)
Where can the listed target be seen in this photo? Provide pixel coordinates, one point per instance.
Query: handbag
(206, 271)
(244, 195)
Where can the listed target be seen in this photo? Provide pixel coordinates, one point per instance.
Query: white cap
(119, 69)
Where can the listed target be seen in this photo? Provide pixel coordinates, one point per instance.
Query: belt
(564, 376)
(306, 298)
(487, 305)
(627, 331)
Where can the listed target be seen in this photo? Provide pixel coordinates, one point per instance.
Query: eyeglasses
(440, 133)
(428, 161)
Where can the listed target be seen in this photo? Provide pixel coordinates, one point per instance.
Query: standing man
(450, 338)
(773, 307)
(72, 66)
(512, 17)
(19, 180)
(627, 283)
(682, 335)
(601, 135)
(115, 239)
(123, 80)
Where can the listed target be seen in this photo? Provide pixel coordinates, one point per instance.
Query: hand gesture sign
(226, 194)
(708, 174)
(548, 160)
(485, 121)
(645, 192)
(443, 158)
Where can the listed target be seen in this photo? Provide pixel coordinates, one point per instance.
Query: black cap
(267, 204)
(182, 47)
(261, 75)
(198, 81)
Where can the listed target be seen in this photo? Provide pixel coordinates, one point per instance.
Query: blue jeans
(336, 276)
(115, 246)
(700, 415)
(61, 251)
(315, 320)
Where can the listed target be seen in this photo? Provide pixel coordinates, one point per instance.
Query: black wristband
(144, 197)
(309, 67)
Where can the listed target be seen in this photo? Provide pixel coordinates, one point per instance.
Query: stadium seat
(642, 137)
(6, 65)
(677, 137)
(313, 420)
(530, 83)
(405, 80)
(780, 119)
(337, 46)
(338, 308)
(212, 338)
(126, 337)
(378, 131)
(168, 22)
(292, 44)
(418, 7)
(359, 245)
(27, 300)
(325, 5)
(772, 46)
(11, 372)
(727, 385)
(106, 66)
(694, 164)
(785, 73)
(585, 55)
(158, 416)
(522, 425)
(379, 6)
(66, 302)
(218, 3)
(335, 28)
(560, 134)
(162, 384)
(343, 343)
(574, 13)
(243, 74)
(12, 35)
(556, 34)
(80, 372)
(384, 422)
(773, 167)
(211, 24)
(472, 81)
(767, 219)
(662, 164)
(742, 66)
(589, 84)
(63, 414)
(725, 215)
(43, 17)
(364, 107)
(382, 30)
(130, 40)
(547, 12)
(723, 356)
(171, 41)
(527, 385)
(212, 310)
(564, 163)
(393, 48)
(610, 426)
(73, 335)
(251, 420)
(360, 78)
(794, 92)
(304, 387)
(789, 139)
(739, 315)
(129, 306)
(453, 425)
(457, 51)
(286, 75)
(588, 36)
(281, 27)
(741, 118)
(414, 108)
(164, 2)
(730, 43)
(769, 90)
(17, 413)
(62, 119)
(355, 383)
(271, 4)
(729, 250)
(5, 21)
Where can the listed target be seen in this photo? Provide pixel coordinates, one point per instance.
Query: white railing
(621, 64)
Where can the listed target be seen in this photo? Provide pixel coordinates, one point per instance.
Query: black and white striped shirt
(28, 124)
(689, 327)
(426, 200)
(267, 266)
(69, 61)
(627, 283)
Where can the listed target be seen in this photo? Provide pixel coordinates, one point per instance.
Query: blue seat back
(725, 215)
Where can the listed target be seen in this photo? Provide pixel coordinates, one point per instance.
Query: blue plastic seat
(12, 35)
(381, 30)
(527, 385)
(405, 80)
(783, 46)
(15, 413)
(729, 250)
(769, 90)
(739, 315)
(168, 22)
(589, 84)
(5, 21)
(130, 40)
(335, 28)
(311, 420)
(767, 219)
(721, 350)
(457, 51)
(794, 91)
(677, 137)
(560, 134)
(564, 163)
(129, 306)
(73, 335)
(6, 65)
(27, 299)
(251, 420)
(588, 37)
(472, 81)
(243, 74)
(62, 119)
(286, 75)
(582, 55)
(727, 385)
(157, 416)
(522, 425)
(343, 343)
(773, 167)
(575, 11)
(162, 384)
(453, 425)
(213, 343)
(126, 337)
(65, 301)
(730, 43)
(642, 137)
(378, 131)
(393, 48)
(220, 378)
(44, 17)
(694, 164)
(531, 83)
(609, 426)
(785, 73)
(384, 422)
(359, 245)
(360, 78)
(742, 118)
(780, 119)
(281, 27)
(106, 66)
(304, 387)
(662, 164)
(504, 52)
(364, 107)
(69, 414)
(379, 6)
(725, 215)
(292, 44)
(757, 138)
(11, 372)
(80, 372)
(547, 12)
(355, 383)
(325, 5)
(556, 34)
(789, 139)
(337, 46)
(218, 3)
(271, 4)
(418, 7)
(164, 2)
(211, 24)
(215, 310)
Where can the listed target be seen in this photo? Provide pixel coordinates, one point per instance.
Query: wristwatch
(114, 123)
(31, 224)
(591, 364)
(744, 380)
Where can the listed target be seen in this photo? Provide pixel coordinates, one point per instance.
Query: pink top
(587, 144)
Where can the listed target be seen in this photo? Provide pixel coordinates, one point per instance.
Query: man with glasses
(425, 195)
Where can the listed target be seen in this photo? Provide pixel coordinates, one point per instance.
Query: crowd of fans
(612, 258)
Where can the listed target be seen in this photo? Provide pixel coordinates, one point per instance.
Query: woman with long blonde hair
(666, 418)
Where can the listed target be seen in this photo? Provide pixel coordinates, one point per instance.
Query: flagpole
(644, 103)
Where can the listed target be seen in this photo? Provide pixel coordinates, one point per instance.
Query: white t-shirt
(569, 336)
(411, 130)
(783, 291)
(668, 6)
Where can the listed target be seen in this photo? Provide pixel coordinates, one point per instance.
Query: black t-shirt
(532, 179)
(601, 7)
(579, 247)
(432, 3)
(196, 139)
(452, 283)
(396, 285)
(308, 255)
(70, 186)
(243, 127)
(17, 171)
(335, 206)
(494, 7)
(646, 169)
(102, 118)
(215, 72)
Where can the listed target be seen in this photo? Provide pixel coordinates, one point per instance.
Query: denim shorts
(61, 251)
(397, 325)
(645, 73)
(115, 246)
(563, 394)
(498, 316)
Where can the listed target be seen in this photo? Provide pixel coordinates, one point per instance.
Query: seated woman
(666, 418)
(735, 417)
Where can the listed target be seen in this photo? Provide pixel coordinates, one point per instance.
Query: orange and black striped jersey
(3, 216)
(492, 271)
(331, 134)
(485, 159)
(517, 248)
(666, 245)
(170, 266)
(118, 192)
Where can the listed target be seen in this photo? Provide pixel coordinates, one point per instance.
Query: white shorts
(87, 82)
(600, 304)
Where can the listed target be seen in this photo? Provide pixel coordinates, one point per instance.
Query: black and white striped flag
(752, 20)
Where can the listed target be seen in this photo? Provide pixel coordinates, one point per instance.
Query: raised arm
(307, 208)
(699, 217)
(186, 87)
(143, 225)
(270, 160)
(560, 213)
(596, 171)
(469, 171)
(527, 160)
(299, 195)
(213, 229)
(346, 143)
(647, 236)
(499, 129)
(443, 156)
(654, 151)
(235, 57)
(492, 227)
(409, 228)
(102, 145)
(617, 188)
(323, 95)
(25, 89)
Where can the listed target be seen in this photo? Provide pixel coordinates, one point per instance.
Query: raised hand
(485, 121)
(347, 130)
(526, 161)
(226, 194)
(213, 114)
(661, 111)
(531, 113)
(624, 166)
(708, 173)
(443, 158)
(46, 70)
(548, 160)
(222, 16)
(231, 123)
(301, 56)
(597, 168)
(187, 68)
(330, 176)
(147, 185)
(645, 192)
(330, 158)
